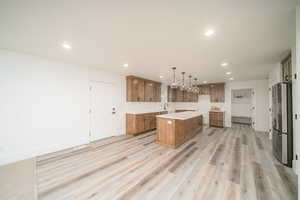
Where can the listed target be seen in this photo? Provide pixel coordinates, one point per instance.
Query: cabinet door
(196, 96)
(138, 90)
(140, 123)
(186, 96)
(149, 90)
(214, 93)
(147, 121)
(171, 94)
(221, 91)
(157, 92)
(204, 89)
(179, 95)
(217, 92)
(153, 121)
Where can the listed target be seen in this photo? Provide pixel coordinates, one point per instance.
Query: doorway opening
(242, 107)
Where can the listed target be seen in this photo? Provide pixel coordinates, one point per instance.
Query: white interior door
(103, 111)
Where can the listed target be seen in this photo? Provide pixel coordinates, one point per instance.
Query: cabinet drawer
(217, 123)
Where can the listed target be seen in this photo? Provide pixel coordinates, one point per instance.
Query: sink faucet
(165, 106)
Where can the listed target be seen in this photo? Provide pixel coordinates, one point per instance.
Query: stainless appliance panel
(283, 108)
(277, 144)
(284, 148)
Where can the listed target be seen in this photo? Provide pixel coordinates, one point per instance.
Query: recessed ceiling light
(224, 64)
(209, 32)
(231, 78)
(228, 73)
(66, 45)
(161, 76)
(125, 65)
(204, 82)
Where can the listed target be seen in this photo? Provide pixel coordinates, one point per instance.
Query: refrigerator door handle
(284, 107)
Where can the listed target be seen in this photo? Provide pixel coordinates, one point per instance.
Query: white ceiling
(154, 34)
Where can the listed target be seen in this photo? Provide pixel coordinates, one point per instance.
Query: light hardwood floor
(225, 164)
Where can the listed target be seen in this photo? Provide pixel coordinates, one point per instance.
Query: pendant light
(183, 86)
(174, 85)
(195, 87)
(190, 88)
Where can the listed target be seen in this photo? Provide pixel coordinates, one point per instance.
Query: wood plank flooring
(226, 164)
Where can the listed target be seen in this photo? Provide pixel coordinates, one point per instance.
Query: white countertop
(181, 115)
(216, 111)
(144, 112)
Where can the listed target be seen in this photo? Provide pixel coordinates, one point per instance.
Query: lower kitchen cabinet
(141, 123)
(216, 119)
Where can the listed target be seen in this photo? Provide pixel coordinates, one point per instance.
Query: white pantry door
(103, 119)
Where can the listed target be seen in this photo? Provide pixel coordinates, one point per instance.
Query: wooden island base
(172, 132)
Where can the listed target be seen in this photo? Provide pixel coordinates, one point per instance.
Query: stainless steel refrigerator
(282, 123)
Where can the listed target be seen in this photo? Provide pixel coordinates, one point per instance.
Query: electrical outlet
(1, 149)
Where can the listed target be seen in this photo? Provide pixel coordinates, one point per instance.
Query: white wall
(44, 105)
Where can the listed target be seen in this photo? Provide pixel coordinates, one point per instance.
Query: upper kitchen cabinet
(157, 91)
(142, 90)
(176, 95)
(217, 92)
(149, 91)
(171, 94)
(179, 96)
(135, 89)
(204, 89)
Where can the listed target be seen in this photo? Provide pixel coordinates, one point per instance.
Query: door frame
(253, 100)
(91, 82)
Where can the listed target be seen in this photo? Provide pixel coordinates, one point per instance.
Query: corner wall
(44, 105)
(296, 96)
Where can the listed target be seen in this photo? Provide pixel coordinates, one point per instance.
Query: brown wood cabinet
(217, 92)
(140, 123)
(179, 96)
(142, 90)
(171, 94)
(149, 91)
(135, 88)
(216, 119)
(173, 132)
(176, 95)
(204, 89)
(157, 92)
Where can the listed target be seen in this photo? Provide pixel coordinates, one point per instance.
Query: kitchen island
(175, 129)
